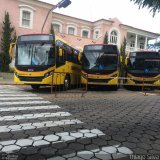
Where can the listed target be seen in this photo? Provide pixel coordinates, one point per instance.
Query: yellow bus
(143, 69)
(100, 65)
(44, 59)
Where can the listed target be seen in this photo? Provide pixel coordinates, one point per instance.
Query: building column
(135, 47)
(145, 45)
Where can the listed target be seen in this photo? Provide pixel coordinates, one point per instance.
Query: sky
(125, 10)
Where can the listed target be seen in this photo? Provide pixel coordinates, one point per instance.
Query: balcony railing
(130, 49)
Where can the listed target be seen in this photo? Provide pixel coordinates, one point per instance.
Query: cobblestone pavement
(102, 125)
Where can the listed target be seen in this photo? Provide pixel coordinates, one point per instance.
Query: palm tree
(153, 5)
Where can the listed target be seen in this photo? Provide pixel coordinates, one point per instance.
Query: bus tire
(35, 86)
(115, 88)
(67, 83)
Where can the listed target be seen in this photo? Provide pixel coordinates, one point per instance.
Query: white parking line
(23, 108)
(116, 151)
(24, 102)
(34, 116)
(17, 95)
(19, 98)
(28, 126)
(11, 91)
(15, 145)
(149, 94)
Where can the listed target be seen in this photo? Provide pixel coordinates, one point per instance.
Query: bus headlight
(115, 76)
(84, 76)
(16, 74)
(48, 74)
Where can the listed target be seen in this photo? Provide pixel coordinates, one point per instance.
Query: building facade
(80, 32)
(28, 17)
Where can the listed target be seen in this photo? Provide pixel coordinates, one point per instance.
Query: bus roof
(143, 51)
(56, 38)
(100, 44)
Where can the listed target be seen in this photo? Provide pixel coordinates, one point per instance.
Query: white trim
(27, 6)
(31, 11)
(57, 20)
(85, 27)
(72, 26)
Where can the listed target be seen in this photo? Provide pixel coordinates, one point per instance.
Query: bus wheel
(67, 83)
(35, 86)
(115, 88)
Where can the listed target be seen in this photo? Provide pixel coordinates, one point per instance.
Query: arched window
(113, 37)
(71, 30)
(96, 34)
(85, 34)
(57, 27)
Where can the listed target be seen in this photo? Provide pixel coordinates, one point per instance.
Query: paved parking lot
(101, 125)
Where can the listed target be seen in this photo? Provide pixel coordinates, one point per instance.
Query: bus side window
(69, 54)
(60, 58)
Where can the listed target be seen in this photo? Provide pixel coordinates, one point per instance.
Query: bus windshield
(142, 65)
(99, 61)
(35, 54)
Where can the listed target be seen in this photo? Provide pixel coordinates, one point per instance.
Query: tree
(153, 5)
(123, 56)
(7, 32)
(106, 38)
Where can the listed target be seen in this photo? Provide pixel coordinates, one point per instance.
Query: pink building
(28, 17)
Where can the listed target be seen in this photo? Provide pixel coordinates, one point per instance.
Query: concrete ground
(101, 125)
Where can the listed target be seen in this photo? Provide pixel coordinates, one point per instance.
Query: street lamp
(63, 3)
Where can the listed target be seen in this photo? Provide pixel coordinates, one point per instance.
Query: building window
(141, 45)
(56, 27)
(71, 30)
(96, 34)
(85, 34)
(113, 37)
(26, 16)
(132, 44)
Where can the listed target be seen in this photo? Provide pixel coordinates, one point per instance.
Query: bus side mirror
(60, 52)
(120, 58)
(126, 61)
(11, 50)
(79, 56)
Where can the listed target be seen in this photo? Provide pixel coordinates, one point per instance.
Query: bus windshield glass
(144, 63)
(100, 58)
(35, 54)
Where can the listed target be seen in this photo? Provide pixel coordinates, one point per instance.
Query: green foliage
(7, 31)
(105, 41)
(52, 29)
(123, 56)
(153, 5)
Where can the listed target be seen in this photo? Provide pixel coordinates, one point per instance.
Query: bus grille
(98, 80)
(145, 82)
(31, 79)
